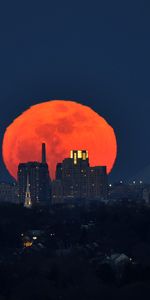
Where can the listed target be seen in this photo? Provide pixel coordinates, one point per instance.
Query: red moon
(63, 126)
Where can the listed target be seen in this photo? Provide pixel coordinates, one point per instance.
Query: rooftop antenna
(28, 201)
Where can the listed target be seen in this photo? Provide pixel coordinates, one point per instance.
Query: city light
(27, 244)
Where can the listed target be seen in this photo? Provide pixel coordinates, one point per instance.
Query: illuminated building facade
(79, 157)
(39, 181)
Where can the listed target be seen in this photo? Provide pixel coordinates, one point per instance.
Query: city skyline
(74, 180)
(117, 180)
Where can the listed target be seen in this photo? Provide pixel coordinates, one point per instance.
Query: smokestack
(43, 153)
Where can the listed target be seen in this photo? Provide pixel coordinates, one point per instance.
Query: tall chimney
(43, 153)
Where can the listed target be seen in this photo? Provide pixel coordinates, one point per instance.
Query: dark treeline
(69, 259)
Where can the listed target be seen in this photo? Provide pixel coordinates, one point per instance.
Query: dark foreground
(75, 252)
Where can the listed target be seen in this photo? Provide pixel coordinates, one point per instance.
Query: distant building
(74, 174)
(57, 192)
(79, 180)
(126, 191)
(8, 192)
(39, 180)
(97, 183)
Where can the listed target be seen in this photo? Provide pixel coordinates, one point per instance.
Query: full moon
(63, 126)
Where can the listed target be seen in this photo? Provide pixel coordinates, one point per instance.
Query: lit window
(84, 156)
(75, 158)
(79, 154)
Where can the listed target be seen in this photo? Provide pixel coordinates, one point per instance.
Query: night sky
(94, 52)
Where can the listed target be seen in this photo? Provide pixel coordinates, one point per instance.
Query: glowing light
(75, 158)
(27, 244)
(79, 154)
(84, 156)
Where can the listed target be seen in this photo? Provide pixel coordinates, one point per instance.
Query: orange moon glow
(63, 126)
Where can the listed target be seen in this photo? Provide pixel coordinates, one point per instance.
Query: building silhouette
(97, 183)
(74, 172)
(75, 179)
(59, 171)
(39, 180)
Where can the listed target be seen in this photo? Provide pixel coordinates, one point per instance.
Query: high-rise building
(79, 180)
(74, 173)
(97, 183)
(39, 180)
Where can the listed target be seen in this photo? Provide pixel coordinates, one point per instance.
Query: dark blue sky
(95, 52)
